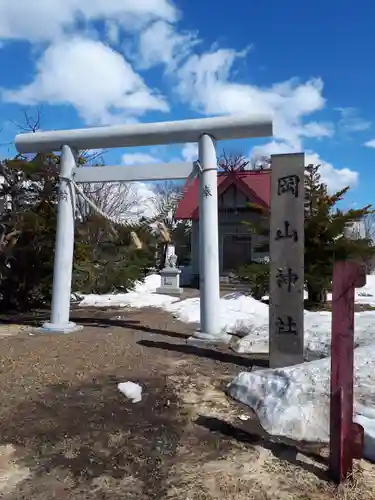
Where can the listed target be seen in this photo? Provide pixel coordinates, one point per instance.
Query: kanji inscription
(286, 260)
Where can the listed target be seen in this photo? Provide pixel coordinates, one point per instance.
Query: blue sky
(95, 62)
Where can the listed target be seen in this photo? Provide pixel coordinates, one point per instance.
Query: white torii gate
(205, 131)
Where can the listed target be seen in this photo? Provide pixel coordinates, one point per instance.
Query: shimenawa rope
(143, 221)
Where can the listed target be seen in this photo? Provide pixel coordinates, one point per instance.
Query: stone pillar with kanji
(286, 310)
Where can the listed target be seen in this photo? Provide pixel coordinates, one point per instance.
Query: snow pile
(248, 318)
(366, 294)
(131, 299)
(142, 295)
(317, 331)
(366, 418)
(131, 390)
(148, 285)
(294, 401)
(238, 313)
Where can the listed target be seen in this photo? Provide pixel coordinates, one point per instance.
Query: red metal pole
(346, 438)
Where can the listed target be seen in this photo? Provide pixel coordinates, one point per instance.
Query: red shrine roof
(255, 185)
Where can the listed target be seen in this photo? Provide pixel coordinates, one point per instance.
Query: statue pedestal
(170, 281)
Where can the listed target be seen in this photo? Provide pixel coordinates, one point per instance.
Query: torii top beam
(146, 134)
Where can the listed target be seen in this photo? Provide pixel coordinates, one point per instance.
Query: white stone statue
(172, 260)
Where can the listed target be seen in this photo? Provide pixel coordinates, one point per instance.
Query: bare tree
(117, 200)
(365, 228)
(369, 231)
(369, 226)
(31, 120)
(233, 162)
(237, 162)
(167, 194)
(260, 162)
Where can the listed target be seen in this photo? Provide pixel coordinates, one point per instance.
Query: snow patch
(248, 318)
(142, 295)
(131, 390)
(294, 402)
(130, 299)
(148, 285)
(364, 295)
(237, 312)
(244, 316)
(317, 332)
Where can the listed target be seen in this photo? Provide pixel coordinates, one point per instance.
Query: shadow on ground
(281, 450)
(224, 357)
(34, 318)
(133, 324)
(98, 318)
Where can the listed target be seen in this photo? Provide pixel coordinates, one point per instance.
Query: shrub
(27, 241)
(112, 266)
(256, 275)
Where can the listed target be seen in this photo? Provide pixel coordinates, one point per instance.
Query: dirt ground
(66, 432)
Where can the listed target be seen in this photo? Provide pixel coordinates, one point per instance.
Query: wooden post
(286, 260)
(346, 437)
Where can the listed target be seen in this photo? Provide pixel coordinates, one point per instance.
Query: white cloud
(205, 82)
(104, 88)
(112, 32)
(160, 43)
(370, 144)
(273, 148)
(190, 151)
(351, 121)
(143, 200)
(144, 194)
(45, 20)
(335, 178)
(318, 130)
(138, 158)
(93, 78)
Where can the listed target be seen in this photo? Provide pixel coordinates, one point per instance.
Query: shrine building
(237, 190)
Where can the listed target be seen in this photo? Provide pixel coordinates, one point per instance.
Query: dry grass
(11, 473)
(11, 330)
(67, 433)
(360, 486)
(257, 475)
(252, 469)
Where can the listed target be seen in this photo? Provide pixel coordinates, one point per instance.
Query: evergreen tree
(327, 237)
(327, 234)
(115, 264)
(27, 239)
(28, 221)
